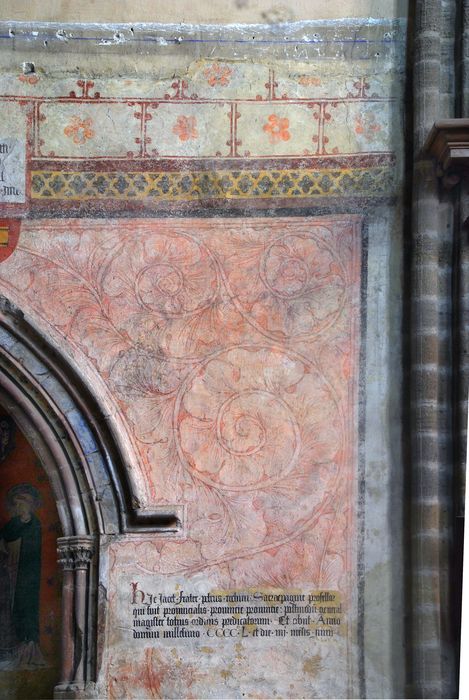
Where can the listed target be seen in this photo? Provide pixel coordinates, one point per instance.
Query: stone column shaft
(75, 555)
(431, 474)
(67, 615)
(462, 288)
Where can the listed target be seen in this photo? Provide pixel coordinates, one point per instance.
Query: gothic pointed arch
(79, 449)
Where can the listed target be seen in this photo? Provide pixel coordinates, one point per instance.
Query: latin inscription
(261, 614)
(12, 170)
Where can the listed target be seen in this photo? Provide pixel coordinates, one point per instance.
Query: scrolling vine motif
(228, 348)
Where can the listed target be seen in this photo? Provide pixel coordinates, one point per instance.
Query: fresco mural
(30, 583)
(193, 235)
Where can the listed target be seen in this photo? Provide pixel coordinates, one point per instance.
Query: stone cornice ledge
(448, 144)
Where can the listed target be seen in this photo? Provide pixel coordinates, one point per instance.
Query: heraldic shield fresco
(204, 235)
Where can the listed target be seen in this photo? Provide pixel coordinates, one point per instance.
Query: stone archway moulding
(69, 432)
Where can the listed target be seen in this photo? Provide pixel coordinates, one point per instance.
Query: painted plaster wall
(211, 235)
(215, 11)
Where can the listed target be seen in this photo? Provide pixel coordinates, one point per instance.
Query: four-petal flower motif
(186, 128)
(217, 74)
(277, 128)
(367, 127)
(79, 130)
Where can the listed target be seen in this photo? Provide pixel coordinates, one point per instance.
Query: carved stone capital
(75, 553)
(64, 556)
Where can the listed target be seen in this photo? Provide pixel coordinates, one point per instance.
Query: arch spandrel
(57, 400)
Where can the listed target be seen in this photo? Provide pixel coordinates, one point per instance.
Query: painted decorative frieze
(223, 131)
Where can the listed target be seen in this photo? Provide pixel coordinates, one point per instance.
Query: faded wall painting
(199, 235)
(240, 395)
(248, 412)
(30, 584)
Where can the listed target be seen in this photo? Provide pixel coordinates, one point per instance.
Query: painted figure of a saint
(20, 576)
